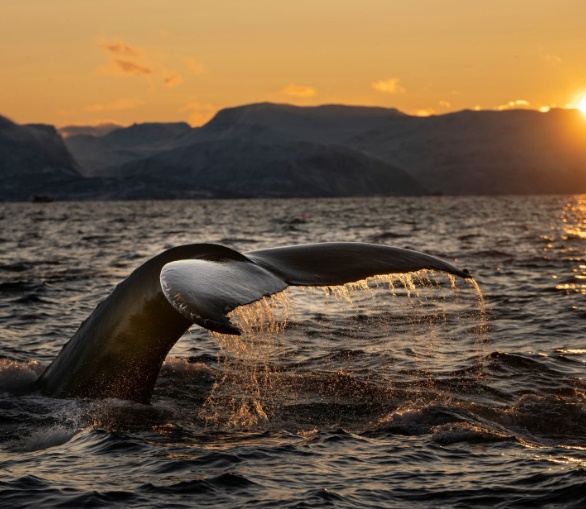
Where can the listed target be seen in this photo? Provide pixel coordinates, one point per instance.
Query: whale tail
(205, 290)
(119, 350)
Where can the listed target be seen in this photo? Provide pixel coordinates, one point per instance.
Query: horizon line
(420, 114)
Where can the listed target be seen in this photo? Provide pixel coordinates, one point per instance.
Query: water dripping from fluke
(285, 367)
(118, 351)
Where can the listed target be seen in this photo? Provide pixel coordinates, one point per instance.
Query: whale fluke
(203, 291)
(119, 350)
(338, 263)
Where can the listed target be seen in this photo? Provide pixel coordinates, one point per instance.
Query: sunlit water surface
(395, 392)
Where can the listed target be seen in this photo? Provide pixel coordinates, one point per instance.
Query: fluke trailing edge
(118, 351)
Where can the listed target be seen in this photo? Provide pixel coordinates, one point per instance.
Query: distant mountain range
(101, 155)
(33, 159)
(276, 150)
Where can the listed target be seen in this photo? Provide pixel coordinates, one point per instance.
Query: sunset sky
(86, 62)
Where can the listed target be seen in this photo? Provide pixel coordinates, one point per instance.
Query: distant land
(279, 150)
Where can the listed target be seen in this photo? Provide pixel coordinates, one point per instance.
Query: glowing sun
(582, 105)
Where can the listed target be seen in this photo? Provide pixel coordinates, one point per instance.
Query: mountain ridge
(33, 158)
(466, 152)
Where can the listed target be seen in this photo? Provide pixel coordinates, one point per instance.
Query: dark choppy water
(404, 397)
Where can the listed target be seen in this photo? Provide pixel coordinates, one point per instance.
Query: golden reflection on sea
(573, 238)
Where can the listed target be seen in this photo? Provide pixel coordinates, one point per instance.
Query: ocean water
(402, 392)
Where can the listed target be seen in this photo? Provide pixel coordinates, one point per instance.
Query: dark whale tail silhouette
(118, 351)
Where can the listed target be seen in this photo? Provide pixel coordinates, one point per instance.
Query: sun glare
(582, 105)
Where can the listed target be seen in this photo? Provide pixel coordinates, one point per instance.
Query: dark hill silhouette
(330, 124)
(243, 168)
(281, 150)
(487, 152)
(33, 161)
(101, 155)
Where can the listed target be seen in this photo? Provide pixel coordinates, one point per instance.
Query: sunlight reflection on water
(574, 228)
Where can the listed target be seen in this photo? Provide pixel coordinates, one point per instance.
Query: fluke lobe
(118, 351)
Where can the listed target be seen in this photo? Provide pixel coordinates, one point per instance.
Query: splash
(246, 364)
(18, 376)
(40, 440)
(355, 342)
(481, 321)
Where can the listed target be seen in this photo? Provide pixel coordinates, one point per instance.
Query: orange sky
(84, 62)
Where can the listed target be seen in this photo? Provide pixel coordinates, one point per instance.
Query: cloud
(172, 79)
(121, 48)
(132, 68)
(124, 59)
(122, 104)
(128, 60)
(199, 113)
(424, 112)
(194, 66)
(445, 104)
(553, 59)
(514, 105)
(299, 91)
(390, 86)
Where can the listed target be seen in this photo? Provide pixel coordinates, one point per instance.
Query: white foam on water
(43, 439)
(185, 367)
(17, 376)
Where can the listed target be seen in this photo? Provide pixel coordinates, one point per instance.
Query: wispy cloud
(550, 59)
(424, 112)
(172, 79)
(194, 66)
(132, 68)
(121, 48)
(553, 59)
(514, 105)
(124, 59)
(390, 86)
(128, 60)
(122, 104)
(299, 91)
(199, 113)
